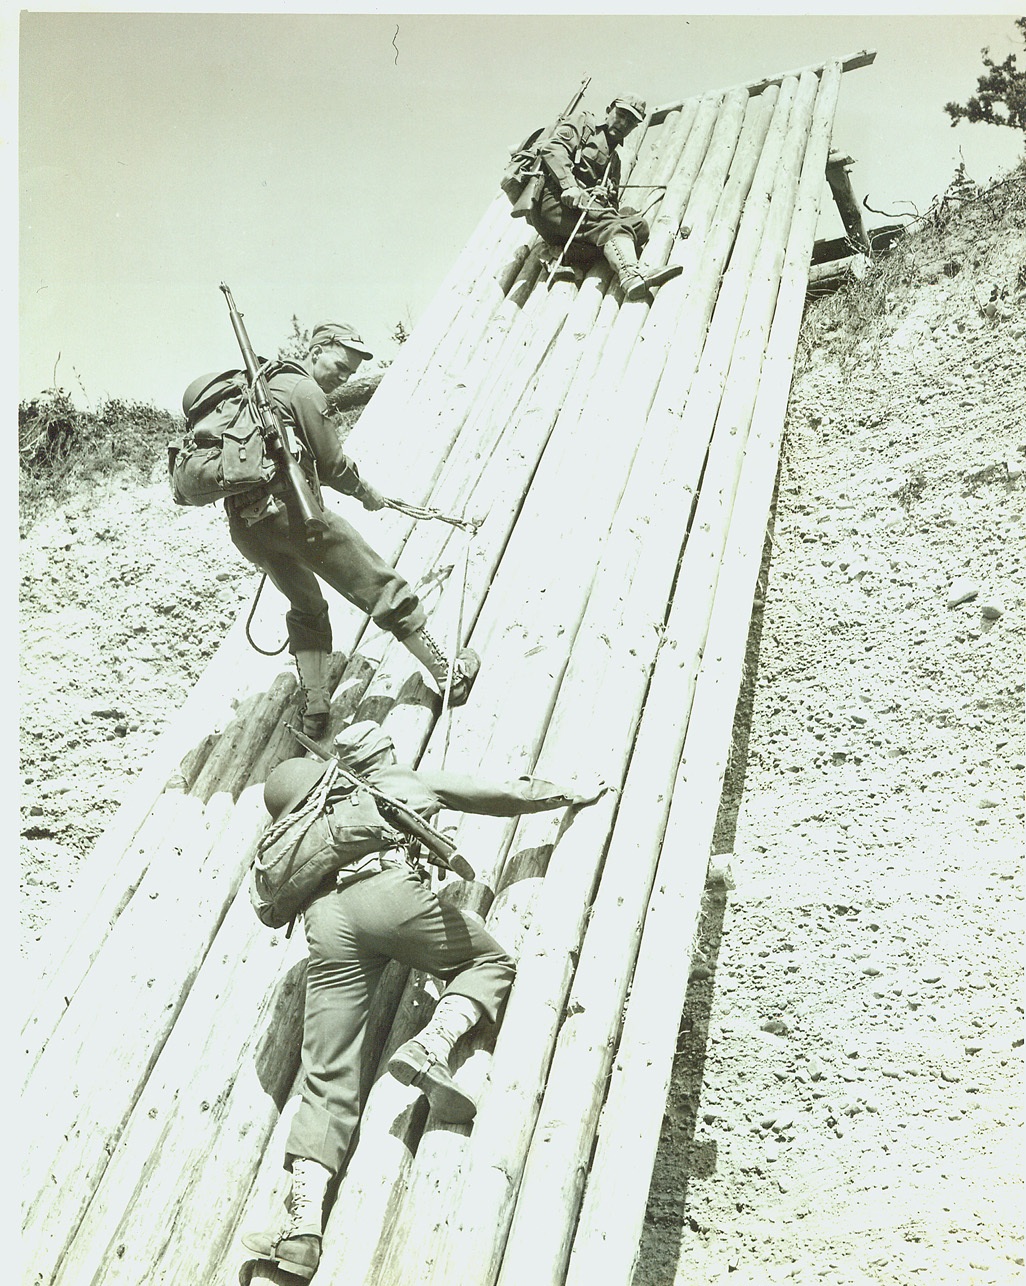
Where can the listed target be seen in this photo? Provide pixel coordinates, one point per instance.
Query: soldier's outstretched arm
(470, 794)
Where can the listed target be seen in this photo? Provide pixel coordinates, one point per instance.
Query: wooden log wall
(621, 458)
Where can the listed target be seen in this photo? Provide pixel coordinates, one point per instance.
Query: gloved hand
(370, 497)
(574, 198)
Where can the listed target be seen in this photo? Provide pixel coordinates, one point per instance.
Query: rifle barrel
(303, 510)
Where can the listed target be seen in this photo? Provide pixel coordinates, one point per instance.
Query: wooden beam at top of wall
(853, 61)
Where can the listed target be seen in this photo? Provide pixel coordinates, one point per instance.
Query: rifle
(442, 850)
(303, 509)
(524, 204)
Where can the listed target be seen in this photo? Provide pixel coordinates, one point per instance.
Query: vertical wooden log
(151, 1137)
(665, 219)
(714, 215)
(610, 1225)
(208, 1110)
(537, 1248)
(839, 178)
(660, 164)
(704, 395)
(116, 863)
(85, 1083)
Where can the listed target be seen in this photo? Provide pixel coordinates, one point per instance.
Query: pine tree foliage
(297, 345)
(1003, 86)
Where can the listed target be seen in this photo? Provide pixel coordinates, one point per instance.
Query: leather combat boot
(313, 679)
(622, 256)
(297, 1247)
(423, 647)
(424, 1060)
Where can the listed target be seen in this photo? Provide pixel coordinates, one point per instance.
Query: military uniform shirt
(300, 398)
(577, 152)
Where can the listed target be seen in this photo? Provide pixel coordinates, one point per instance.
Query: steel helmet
(289, 783)
(195, 391)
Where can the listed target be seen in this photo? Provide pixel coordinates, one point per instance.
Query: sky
(333, 165)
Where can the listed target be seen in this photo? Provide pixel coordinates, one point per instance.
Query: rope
(301, 818)
(469, 525)
(249, 622)
(592, 193)
(457, 636)
(422, 512)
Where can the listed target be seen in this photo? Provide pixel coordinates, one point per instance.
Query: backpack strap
(284, 364)
(586, 134)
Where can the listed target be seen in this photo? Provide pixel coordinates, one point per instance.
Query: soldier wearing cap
(259, 528)
(379, 909)
(582, 187)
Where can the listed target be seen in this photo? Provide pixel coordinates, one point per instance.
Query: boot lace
(299, 1199)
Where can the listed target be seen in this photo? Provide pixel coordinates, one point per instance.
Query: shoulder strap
(587, 130)
(284, 366)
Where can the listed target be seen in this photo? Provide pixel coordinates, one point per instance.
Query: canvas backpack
(222, 452)
(523, 161)
(521, 165)
(300, 855)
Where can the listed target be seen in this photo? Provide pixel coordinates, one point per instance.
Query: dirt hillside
(848, 1094)
(847, 1100)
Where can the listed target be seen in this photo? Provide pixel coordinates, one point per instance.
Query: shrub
(59, 445)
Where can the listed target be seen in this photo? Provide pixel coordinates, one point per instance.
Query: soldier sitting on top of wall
(582, 183)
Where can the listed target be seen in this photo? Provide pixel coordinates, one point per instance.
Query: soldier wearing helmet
(579, 209)
(259, 527)
(378, 908)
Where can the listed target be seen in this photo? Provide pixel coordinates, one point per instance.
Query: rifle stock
(304, 510)
(524, 203)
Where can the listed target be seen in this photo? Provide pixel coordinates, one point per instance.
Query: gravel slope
(847, 1099)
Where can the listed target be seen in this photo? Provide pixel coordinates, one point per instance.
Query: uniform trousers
(352, 933)
(555, 223)
(343, 560)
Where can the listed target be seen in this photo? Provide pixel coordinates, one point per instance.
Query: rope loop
(422, 512)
